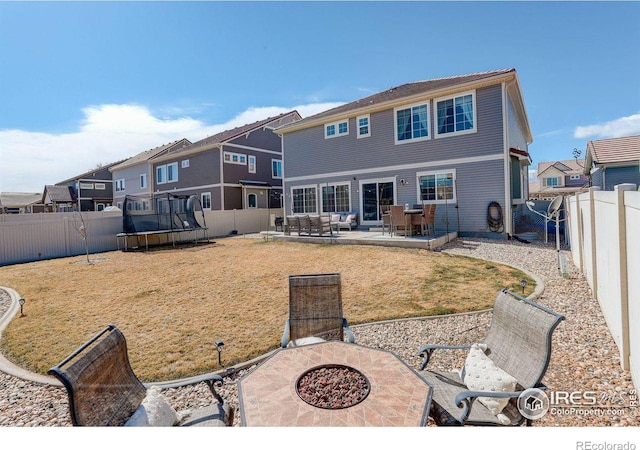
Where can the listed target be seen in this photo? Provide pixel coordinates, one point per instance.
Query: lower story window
(436, 186)
(335, 198)
(304, 200)
(206, 200)
(253, 200)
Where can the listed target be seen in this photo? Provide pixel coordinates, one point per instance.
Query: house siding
(516, 137)
(203, 172)
(131, 176)
(476, 159)
(613, 176)
(313, 151)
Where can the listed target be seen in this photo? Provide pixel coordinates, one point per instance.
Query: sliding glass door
(375, 194)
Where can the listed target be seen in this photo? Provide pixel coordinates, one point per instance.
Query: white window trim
(395, 123)
(100, 186)
(173, 180)
(251, 162)
(162, 169)
(120, 185)
(202, 202)
(281, 169)
(249, 203)
(305, 186)
(231, 161)
(334, 185)
(436, 172)
(368, 133)
(143, 180)
(337, 128)
(184, 164)
(455, 133)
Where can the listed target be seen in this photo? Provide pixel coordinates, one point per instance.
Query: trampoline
(154, 216)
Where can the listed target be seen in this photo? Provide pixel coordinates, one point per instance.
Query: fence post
(594, 256)
(624, 286)
(578, 245)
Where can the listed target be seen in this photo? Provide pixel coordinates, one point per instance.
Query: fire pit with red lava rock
(333, 386)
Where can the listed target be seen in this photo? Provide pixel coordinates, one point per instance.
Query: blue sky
(83, 83)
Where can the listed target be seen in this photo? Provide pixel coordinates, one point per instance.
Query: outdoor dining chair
(104, 391)
(315, 310)
(398, 220)
(511, 361)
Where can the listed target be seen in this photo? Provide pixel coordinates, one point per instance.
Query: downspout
(221, 178)
(507, 163)
(283, 196)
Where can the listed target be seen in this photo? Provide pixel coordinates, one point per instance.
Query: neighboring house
(613, 161)
(19, 202)
(59, 199)
(93, 190)
(235, 169)
(459, 142)
(134, 176)
(559, 178)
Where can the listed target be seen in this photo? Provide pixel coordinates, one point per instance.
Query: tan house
(558, 178)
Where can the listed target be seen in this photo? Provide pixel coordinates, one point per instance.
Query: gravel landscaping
(584, 357)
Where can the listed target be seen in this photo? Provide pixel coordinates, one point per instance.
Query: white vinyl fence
(605, 245)
(33, 237)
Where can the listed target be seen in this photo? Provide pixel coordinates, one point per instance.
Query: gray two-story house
(134, 176)
(235, 169)
(459, 142)
(92, 190)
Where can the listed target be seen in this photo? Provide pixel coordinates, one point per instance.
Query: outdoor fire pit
(332, 386)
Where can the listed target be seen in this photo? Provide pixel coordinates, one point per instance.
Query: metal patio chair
(104, 391)
(315, 310)
(518, 342)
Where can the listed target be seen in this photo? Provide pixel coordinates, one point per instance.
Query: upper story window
(172, 172)
(143, 180)
(161, 174)
(184, 164)
(336, 129)
(235, 158)
(252, 164)
(119, 185)
(550, 181)
(276, 168)
(412, 123)
(574, 177)
(100, 186)
(364, 128)
(86, 185)
(167, 173)
(455, 114)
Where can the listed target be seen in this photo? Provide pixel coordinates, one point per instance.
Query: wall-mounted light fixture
(403, 181)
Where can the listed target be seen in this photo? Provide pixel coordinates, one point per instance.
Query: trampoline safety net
(162, 212)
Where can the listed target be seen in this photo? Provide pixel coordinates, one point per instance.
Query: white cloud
(624, 126)
(108, 133)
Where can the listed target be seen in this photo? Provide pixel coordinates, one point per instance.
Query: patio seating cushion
(335, 218)
(305, 341)
(481, 374)
(154, 411)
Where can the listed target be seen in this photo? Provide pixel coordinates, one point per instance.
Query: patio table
(409, 215)
(398, 395)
